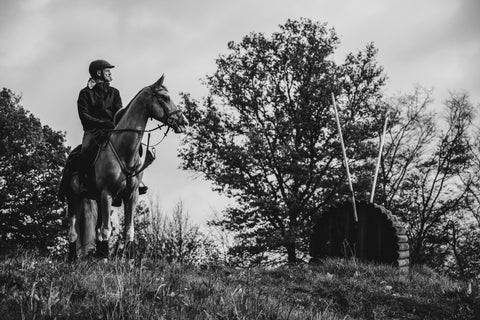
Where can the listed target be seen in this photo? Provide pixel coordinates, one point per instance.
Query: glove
(97, 133)
(109, 125)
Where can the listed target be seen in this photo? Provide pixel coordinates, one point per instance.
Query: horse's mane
(120, 112)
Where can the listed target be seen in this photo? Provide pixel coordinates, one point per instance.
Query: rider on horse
(119, 164)
(97, 104)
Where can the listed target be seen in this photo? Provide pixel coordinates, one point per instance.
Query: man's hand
(109, 125)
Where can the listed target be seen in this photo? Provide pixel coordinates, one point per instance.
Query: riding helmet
(98, 65)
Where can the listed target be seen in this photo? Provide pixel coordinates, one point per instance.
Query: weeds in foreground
(36, 287)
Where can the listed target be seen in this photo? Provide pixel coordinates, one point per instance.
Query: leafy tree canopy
(31, 158)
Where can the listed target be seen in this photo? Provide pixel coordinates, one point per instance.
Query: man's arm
(117, 101)
(86, 118)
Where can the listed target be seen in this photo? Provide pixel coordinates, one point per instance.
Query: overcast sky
(46, 46)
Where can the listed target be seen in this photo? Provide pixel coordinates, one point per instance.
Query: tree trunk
(415, 253)
(291, 252)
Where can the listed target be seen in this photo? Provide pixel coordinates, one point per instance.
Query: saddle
(73, 166)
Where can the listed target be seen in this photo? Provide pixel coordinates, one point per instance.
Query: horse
(118, 172)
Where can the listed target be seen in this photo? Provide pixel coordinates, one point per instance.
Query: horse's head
(164, 109)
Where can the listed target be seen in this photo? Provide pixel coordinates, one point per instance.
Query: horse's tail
(63, 188)
(72, 166)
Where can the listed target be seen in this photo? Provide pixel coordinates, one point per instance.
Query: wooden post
(382, 141)
(345, 159)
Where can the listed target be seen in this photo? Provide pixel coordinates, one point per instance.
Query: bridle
(167, 114)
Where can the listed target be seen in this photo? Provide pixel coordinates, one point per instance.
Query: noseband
(167, 114)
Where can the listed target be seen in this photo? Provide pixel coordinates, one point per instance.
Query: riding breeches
(90, 144)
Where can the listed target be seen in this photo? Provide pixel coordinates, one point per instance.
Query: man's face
(106, 74)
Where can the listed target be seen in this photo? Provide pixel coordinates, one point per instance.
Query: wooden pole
(379, 158)
(345, 158)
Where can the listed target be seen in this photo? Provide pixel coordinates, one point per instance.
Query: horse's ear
(159, 82)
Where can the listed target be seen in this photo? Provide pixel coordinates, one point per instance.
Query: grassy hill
(37, 288)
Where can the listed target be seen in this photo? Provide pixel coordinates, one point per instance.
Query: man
(97, 104)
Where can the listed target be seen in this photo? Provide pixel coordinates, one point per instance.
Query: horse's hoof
(102, 249)
(130, 250)
(72, 252)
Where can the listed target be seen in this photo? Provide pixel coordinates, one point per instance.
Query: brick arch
(378, 236)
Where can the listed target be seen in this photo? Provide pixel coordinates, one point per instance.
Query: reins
(161, 140)
(159, 127)
(134, 130)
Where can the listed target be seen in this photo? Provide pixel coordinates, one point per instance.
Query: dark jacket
(97, 106)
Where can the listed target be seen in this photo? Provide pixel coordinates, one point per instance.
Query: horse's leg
(130, 204)
(73, 211)
(98, 228)
(106, 227)
(87, 225)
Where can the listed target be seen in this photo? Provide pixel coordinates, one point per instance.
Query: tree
(31, 159)
(464, 232)
(474, 187)
(464, 246)
(426, 172)
(265, 134)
